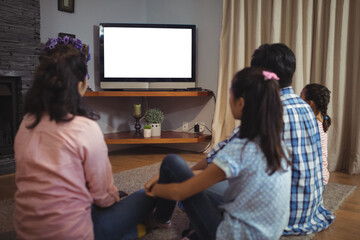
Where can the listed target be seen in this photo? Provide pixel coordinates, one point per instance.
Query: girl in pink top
(65, 188)
(318, 97)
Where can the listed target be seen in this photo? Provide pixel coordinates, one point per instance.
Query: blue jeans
(216, 191)
(200, 208)
(119, 220)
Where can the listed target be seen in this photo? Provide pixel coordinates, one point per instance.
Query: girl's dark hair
(262, 113)
(277, 58)
(320, 95)
(55, 87)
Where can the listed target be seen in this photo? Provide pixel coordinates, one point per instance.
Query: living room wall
(116, 113)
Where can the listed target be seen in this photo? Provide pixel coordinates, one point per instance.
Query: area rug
(132, 180)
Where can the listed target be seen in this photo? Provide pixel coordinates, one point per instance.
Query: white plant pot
(155, 129)
(147, 133)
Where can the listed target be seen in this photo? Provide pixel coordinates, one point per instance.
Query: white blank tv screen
(147, 52)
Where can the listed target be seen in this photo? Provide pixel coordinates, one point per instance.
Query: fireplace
(10, 117)
(10, 99)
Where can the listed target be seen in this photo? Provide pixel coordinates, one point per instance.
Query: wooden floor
(345, 227)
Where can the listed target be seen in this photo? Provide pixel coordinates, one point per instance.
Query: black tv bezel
(147, 25)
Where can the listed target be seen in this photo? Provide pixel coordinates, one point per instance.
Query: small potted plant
(154, 117)
(147, 131)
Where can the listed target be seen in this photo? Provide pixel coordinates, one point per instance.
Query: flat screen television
(147, 56)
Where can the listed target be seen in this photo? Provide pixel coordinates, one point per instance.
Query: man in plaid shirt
(301, 135)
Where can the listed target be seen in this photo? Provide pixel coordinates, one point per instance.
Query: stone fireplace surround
(19, 52)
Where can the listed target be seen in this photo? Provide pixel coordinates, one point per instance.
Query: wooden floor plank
(347, 222)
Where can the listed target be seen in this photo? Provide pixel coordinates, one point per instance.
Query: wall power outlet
(185, 127)
(201, 126)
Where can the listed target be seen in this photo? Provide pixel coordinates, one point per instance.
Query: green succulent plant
(147, 127)
(154, 115)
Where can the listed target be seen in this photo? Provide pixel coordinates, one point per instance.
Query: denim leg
(201, 210)
(204, 215)
(173, 169)
(216, 192)
(120, 219)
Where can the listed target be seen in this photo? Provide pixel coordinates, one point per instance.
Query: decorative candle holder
(137, 125)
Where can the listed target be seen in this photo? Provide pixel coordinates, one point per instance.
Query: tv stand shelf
(148, 93)
(166, 136)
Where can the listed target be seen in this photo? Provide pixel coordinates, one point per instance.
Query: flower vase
(147, 133)
(155, 129)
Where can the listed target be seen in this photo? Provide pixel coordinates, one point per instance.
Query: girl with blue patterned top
(255, 162)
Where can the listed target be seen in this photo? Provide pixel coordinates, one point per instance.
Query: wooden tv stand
(166, 136)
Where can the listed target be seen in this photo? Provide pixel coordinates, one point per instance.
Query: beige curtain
(325, 37)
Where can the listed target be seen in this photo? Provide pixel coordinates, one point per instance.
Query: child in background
(254, 161)
(65, 186)
(318, 97)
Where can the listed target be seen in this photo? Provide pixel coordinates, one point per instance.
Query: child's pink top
(61, 170)
(324, 150)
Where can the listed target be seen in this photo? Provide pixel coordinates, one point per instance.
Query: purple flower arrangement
(52, 42)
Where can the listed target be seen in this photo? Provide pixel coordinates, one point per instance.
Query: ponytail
(271, 126)
(262, 113)
(320, 95)
(326, 122)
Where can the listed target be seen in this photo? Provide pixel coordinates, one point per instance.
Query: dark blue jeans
(119, 220)
(200, 208)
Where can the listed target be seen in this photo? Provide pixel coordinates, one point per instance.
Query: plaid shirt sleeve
(301, 135)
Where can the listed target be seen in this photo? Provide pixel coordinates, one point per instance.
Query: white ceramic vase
(147, 133)
(155, 129)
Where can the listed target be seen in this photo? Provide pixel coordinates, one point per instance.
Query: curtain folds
(325, 37)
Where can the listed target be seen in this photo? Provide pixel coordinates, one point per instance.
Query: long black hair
(55, 87)
(262, 113)
(320, 95)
